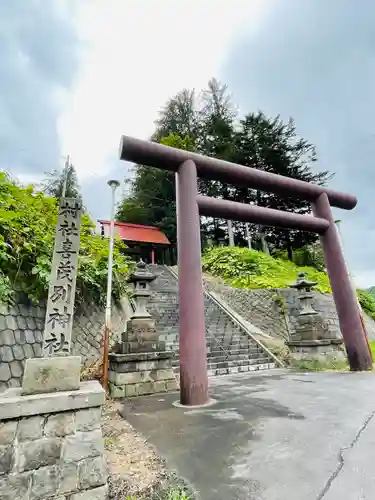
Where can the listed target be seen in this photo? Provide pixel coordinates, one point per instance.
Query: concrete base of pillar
(137, 374)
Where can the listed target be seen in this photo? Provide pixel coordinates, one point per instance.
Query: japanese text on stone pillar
(60, 306)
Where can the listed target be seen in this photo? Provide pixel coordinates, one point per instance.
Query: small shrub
(177, 494)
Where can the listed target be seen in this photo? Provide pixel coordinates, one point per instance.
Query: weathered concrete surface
(45, 375)
(277, 435)
(14, 405)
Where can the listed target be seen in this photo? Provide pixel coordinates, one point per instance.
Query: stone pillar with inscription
(60, 305)
(51, 444)
(310, 338)
(141, 365)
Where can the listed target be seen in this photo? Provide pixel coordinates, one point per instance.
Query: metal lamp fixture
(113, 184)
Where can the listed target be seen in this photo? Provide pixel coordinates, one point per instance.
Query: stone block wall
(261, 308)
(21, 329)
(258, 307)
(45, 455)
(54, 455)
(137, 374)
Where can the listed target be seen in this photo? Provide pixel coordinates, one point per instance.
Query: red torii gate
(189, 166)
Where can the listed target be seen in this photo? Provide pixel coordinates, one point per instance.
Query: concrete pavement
(276, 435)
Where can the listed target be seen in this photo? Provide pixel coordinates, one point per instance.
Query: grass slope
(244, 268)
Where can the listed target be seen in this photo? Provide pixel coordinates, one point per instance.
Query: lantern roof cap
(303, 282)
(141, 273)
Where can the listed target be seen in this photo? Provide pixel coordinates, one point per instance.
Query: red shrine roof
(135, 232)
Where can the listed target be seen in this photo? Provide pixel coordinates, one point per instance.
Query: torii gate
(190, 205)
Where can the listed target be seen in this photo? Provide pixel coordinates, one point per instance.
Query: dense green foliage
(209, 124)
(243, 268)
(27, 230)
(309, 255)
(367, 301)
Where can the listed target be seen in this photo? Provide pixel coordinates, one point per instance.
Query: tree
(216, 139)
(207, 122)
(178, 117)
(208, 125)
(273, 146)
(53, 184)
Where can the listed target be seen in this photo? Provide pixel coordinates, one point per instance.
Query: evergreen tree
(273, 146)
(178, 117)
(216, 139)
(208, 125)
(53, 184)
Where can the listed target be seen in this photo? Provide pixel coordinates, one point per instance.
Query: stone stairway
(230, 349)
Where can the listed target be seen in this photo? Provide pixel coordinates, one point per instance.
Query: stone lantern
(140, 334)
(142, 280)
(310, 338)
(141, 365)
(305, 296)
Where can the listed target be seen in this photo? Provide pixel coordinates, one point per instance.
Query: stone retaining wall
(21, 328)
(263, 308)
(50, 454)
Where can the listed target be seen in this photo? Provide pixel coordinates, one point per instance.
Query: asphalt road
(276, 435)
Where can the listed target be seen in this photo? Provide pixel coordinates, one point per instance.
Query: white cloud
(137, 55)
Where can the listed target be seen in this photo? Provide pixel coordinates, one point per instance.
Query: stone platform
(323, 349)
(141, 373)
(51, 445)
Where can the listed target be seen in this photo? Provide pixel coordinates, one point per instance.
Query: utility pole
(66, 176)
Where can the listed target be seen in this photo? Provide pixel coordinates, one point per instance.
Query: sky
(76, 75)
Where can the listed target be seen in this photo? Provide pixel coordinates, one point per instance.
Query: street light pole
(113, 184)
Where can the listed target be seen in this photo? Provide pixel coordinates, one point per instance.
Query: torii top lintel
(168, 158)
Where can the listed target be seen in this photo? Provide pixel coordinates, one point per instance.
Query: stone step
(240, 369)
(229, 348)
(235, 352)
(215, 350)
(237, 346)
(215, 363)
(235, 357)
(244, 357)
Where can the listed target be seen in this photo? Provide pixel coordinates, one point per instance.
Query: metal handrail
(243, 327)
(238, 322)
(218, 343)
